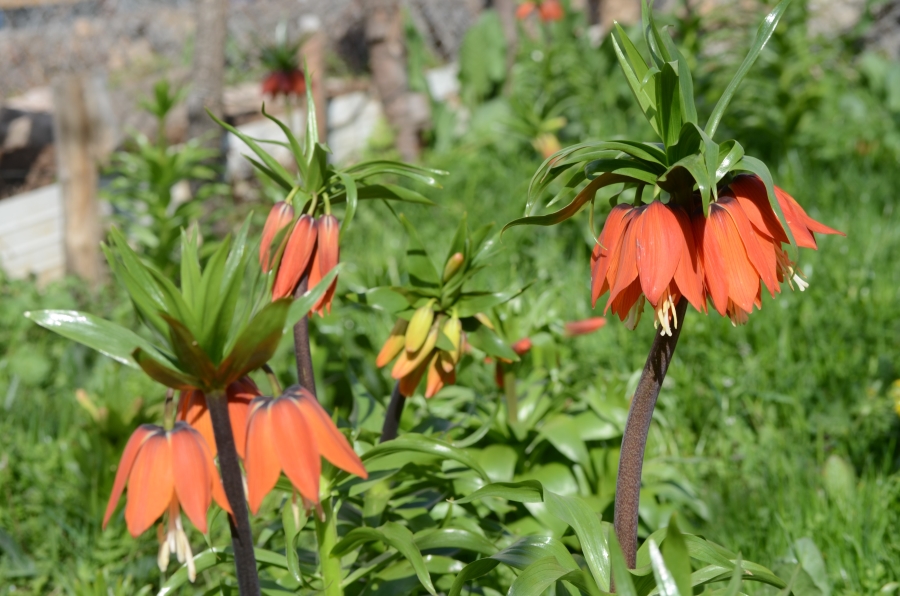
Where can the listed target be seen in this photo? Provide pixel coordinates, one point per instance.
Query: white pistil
(801, 283)
(175, 541)
(665, 311)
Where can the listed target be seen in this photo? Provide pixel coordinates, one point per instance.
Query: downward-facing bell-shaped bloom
(285, 82)
(291, 433)
(583, 326)
(741, 246)
(280, 216)
(662, 252)
(167, 471)
(325, 259)
(193, 409)
(296, 258)
(646, 252)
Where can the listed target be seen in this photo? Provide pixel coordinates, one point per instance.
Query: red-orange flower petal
(626, 272)
(150, 485)
(524, 9)
(584, 326)
(325, 259)
(755, 251)
(658, 249)
(606, 252)
(296, 258)
(331, 442)
(280, 216)
(262, 463)
(296, 447)
(522, 346)
(689, 273)
(193, 478)
(125, 464)
(743, 279)
(713, 263)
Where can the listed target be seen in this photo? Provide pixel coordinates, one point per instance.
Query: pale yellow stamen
(665, 311)
(175, 541)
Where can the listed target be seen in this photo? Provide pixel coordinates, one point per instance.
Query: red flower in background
(584, 326)
(291, 433)
(285, 82)
(548, 10)
(167, 471)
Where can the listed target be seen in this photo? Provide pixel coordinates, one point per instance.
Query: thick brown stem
(393, 414)
(241, 536)
(631, 460)
(305, 375)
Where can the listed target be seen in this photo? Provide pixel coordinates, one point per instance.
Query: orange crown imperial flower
(193, 409)
(583, 326)
(280, 216)
(167, 471)
(291, 433)
(297, 256)
(416, 345)
(325, 259)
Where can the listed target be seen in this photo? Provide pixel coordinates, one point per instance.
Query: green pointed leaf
(188, 353)
(352, 200)
(635, 70)
(586, 523)
(762, 38)
(734, 585)
(394, 535)
(527, 491)
(696, 167)
(390, 192)
(295, 147)
(668, 103)
(454, 538)
(472, 571)
(164, 373)
(256, 344)
(190, 271)
(175, 304)
(583, 197)
(676, 557)
(422, 272)
(471, 303)
(624, 167)
(300, 307)
(685, 80)
(490, 343)
(658, 50)
(415, 443)
(665, 582)
(384, 166)
(272, 168)
(270, 173)
(730, 153)
(537, 577)
(108, 338)
(202, 561)
(620, 573)
(293, 519)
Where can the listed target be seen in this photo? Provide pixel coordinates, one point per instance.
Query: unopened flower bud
(410, 361)
(453, 265)
(297, 256)
(279, 218)
(522, 346)
(453, 330)
(418, 328)
(484, 320)
(394, 343)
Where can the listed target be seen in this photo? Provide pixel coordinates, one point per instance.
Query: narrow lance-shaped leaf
(537, 577)
(586, 194)
(586, 523)
(422, 271)
(300, 307)
(620, 574)
(295, 147)
(676, 557)
(762, 38)
(665, 582)
(256, 343)
(352, 200)
(106, 337)
(275, 170)
(527, 491)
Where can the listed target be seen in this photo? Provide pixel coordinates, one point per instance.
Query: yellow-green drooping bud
(453, 330)
(418, 328)
(410, 361)
(484, 320)
(394, 344)
(453, 265)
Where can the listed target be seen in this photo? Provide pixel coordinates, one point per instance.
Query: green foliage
(482, 58)
(146, 176)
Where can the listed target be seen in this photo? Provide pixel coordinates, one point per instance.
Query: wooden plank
(77, 131)
(14, 4)
(31, 234)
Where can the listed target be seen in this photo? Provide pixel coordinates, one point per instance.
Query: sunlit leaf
(527, 491)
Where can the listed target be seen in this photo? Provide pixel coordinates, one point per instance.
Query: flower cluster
(167, 470)
(663, 252)
(547, 10)
(416, 344)
(311, 249)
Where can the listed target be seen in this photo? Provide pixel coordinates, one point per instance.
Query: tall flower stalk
(693, 222)
(300, 244)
